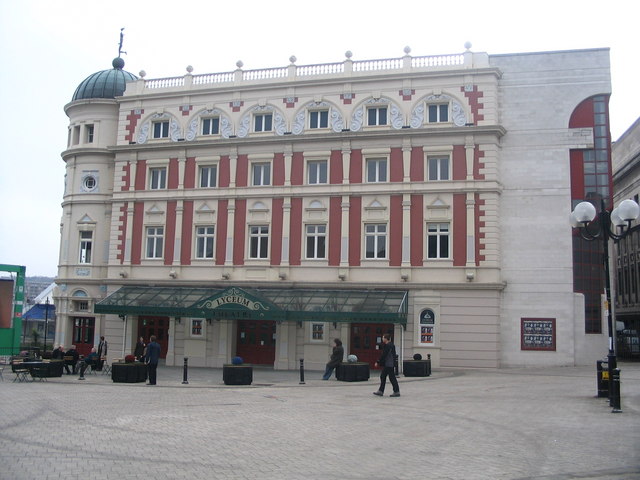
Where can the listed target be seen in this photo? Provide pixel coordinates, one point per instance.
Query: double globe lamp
(613, 225)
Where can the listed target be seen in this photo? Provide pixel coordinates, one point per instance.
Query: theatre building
(263, 213)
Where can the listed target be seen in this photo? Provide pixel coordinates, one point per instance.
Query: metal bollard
(185, 370)
(396, 366)
(302, 371)
(615, 396)
(83, 366)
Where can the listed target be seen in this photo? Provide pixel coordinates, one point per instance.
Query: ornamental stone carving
(458, 116)
(225, 124)
(279, 123)
(395, 114)
(174, 128)
(336, 122)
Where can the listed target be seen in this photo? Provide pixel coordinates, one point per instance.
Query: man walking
(152, 357)
(386, 361)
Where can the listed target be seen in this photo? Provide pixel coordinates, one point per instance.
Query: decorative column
(406, 230)
(231, 209)
(286, 228)
(344, 240)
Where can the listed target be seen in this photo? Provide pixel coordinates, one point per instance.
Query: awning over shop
(301, 305)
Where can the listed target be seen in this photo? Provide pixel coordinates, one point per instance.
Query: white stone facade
(501, 196)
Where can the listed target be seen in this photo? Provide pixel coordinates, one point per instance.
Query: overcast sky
(49, 47)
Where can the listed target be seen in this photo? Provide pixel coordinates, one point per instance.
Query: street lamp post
(613, 225)
(46, 322)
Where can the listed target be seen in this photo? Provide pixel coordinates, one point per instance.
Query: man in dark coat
(71, 358)
(58, 353)
(102, 353)
(386, 361)
(335, 360)
(152, 358)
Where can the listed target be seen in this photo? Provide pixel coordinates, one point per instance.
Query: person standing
(152, 357)
(386, 361)
(102, 353)
(139, 350)
(335, 360)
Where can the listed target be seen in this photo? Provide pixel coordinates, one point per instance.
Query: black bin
(602, 371)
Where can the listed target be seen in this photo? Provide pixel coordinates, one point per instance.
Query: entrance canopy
(301, 305)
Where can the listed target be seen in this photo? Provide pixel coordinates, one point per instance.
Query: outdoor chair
(20, 371)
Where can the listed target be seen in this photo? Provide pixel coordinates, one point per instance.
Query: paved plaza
(538, 423)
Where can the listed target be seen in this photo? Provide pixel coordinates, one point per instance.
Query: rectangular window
(376, 170)
(155, 239)
(317, 172)
(261, 174)
(377, 116)
(439, 113)
(158, 178)
(317, 332)
(319, 119)
(204, 241)
(196, 327)
(89, 133)
(211, 126)
(259, 241)
(438, 168)
(263, 122)
(316, 241)
(161, 129)
(438, 240)
(86, 243)
(375, 240)
(208, 176)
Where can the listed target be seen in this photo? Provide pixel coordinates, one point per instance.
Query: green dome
(105, 84)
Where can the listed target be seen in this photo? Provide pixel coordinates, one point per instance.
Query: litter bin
(602, 371)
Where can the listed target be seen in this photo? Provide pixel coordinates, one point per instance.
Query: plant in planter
(129, 359)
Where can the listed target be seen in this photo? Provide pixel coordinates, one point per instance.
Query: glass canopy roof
(362, 306)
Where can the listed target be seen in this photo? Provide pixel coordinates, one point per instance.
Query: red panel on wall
(396, 166)
(126, 177)
(417, 230)
(577, 174)
(278, 169)
(221, 231)
(416, 171)
(355, 230)
(335, 230)
(141, 174)
(136, 233)
(478, 164)
(295, 232)
(582, 116)
(170, 232)
(172, 178)
(190, 172)
(459, 163)
(335, 167)
(242, 170)
(478, 211)
(122, 232)
(297, 168)
(355, 167)
(225, 172)
(187, 232)
(239, 231)
(276, 231)
(459, 233)
(395, 231)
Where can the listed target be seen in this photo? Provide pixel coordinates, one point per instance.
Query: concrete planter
(416, 368)
(237, 374)
(353, 372)
(129, 372)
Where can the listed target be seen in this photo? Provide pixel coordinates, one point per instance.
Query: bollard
(302, 371)
(615, 397)
(185, 370)
(395, 366)
(83, 366)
